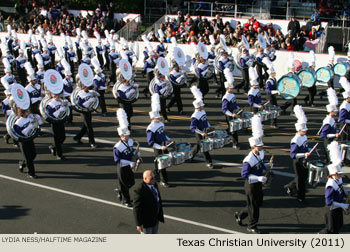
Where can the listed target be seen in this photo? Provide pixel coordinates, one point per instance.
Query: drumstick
(312, 150)
(342, 129)
(266, 103)
(169, 144)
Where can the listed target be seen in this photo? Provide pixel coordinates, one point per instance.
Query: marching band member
(114, 60)
(145, 54)
(9, 57)
(344, 115)
(161, 50)
(157, 138)
(201, 70)
(299, 151)
(224, 62)
(6, 109)
(334, 197)
(20, 61)
(59, 66)
(68, 87)
(85, 99)
(35, 51)
(199, 124)
(34, 90)
(86, 59)
(176, 76)
(129, 53)
(52, 49)
(229, 106)
(244, 61)
(123, 153)
(309, 99)
(46, 57)
(100, 85)
(77, 47)
(329, 131)
(292, 69)
(212, 55)
(56, 106)
(8, 79)
(260, 66)
(148, 69)
(161, 88)
(252, 171)
(28, 48)
(15, 44)
(99, 48)
(106, 50)
(254, 95)
(71, 56)
(41, 70)
(271, 87)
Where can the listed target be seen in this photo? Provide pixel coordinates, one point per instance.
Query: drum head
(202, 49)
(245, 42)
(323, 74)
(162, 65)
(289, 86)
(262, 41)
(307, 78)
(85, 74)
(125, 69)
(179, 56)
(340, 69)
(53, 81)
(20, 96)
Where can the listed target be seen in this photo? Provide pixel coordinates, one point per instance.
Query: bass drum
(10, 123)
(307, 77)
(63, 116)
(341, 68)
(324, 74)
(167, 93)
(74, 99)
(133, 98)
(289, 85)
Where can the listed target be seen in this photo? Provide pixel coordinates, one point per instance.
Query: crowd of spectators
(188, 30)
(54, 17)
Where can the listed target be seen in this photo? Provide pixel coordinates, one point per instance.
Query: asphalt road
(76, 195)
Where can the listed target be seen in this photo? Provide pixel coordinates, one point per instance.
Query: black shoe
(274, 126)
(32, 176)
(53, 150)
(301, 200)
(127, 203)
(104, 114)
(93, 146)
(167, 120)
(77, 140)
(60, 157)
(288, 190)
(254, 230)
(6, 139)
(118, 193)
(165, 184)
(238, 219)
(180, 112)
(168, 109)
(210, 166)
(21, 166)
(145, 93)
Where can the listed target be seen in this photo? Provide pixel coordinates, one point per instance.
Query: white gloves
(341, 205)
(262, 179)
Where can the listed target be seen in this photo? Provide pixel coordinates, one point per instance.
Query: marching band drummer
(124, 153)
(344, 115)
(33, 89)
(334, 199)
(254, 95)
(176, 76)
(309, 99)
(261, 66)
(126, 90)
(229, 105)
(252, 172)
(201, 70)
(299, 151)
(271, 88)
(161, 85)
(200, 125)
(85, 99)
(55, 106)
(157, 138)
(329, 131)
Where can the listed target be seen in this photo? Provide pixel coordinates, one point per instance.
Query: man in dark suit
(148, 210)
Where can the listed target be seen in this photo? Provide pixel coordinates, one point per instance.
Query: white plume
(332, 96)
(228, 75)
(196, 93)
(335, 155)
(63, 37)
(95, 62)
(299, 114)
(257, 128)
(23, 45)
(78, 31)
(212, 40)
(155, 102)
(60, 52)
(344, 83)
(331, 53)
(122, 119)
(41, 30)
(30, 33)
(6, 63)
(107, 35)
(291, 58)
(148, 44)
(267, 62)
(65, 64)
(69, 40)
(97, 35)
(84, 34)
(49, 35)
(312, 58)
(253, 75)
(161, 34)
(173, 41)
(29, 68)
(39, 59)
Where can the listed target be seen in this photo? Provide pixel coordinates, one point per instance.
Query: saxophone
(135, 158)
(268, 170)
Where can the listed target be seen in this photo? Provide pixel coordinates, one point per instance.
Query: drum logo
(179, 54)
(125, 67)
(202, 48)
(162, 64)
(53, 79)
(85, 73)
(19, 94)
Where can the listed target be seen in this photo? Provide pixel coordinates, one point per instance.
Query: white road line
(116, 204)
(216, 162)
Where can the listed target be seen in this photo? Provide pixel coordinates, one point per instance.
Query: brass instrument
(268, 169)
(138, 160)
(167, 92)
(120, 79)
(64, 114)
(74, 98)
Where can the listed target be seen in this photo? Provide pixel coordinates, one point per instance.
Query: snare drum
(218, 133)
(341, 68)
(246, 123)
(177, 158)
(185, 149)
(324, 74)
(263, 115)
(307, 77)
(316, 172)
(205, 145)
(344, 148)
(218, 143)
(235, 125)
(273, 111)
(164, 161)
